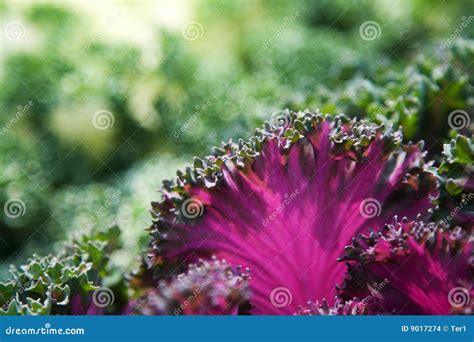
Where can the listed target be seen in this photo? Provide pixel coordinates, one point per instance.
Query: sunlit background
(101, 101)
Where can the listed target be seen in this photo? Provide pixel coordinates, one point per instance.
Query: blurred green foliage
(171, 97)
(60, 284)
(419, 98)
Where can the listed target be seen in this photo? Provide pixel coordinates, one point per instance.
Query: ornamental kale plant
(62, 284)
(312, 215)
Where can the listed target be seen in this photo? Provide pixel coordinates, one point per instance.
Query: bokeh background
(101, 101)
